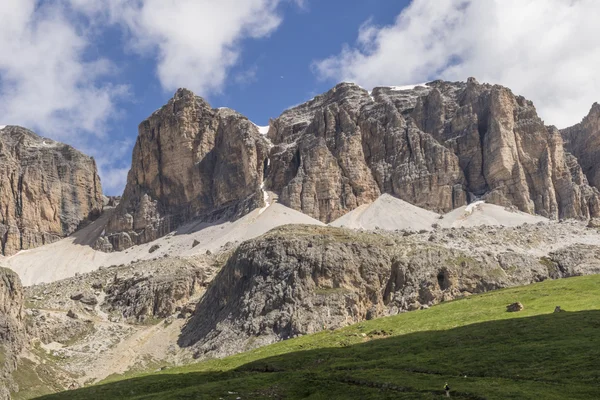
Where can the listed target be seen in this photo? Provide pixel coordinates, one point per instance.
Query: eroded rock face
(13, 336)
(141, 297)
(317, 164)
(189, 161)
(583, 141)
(298, 280)
(47, 190)
(436, 146)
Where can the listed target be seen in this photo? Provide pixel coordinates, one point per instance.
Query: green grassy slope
(482, 351)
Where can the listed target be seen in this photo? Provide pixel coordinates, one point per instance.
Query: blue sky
(87, 72)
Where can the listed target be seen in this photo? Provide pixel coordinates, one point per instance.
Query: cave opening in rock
(442, 280)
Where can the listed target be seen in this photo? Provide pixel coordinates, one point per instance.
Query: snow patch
(263, 130)
(265, 197)
(471, 207)
(2, 127)
(406, 87)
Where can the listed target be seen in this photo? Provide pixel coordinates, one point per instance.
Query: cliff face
(436, 146)
(13, 336)
(317, 164)
(46, 190)
(583, 141)
(189, 161)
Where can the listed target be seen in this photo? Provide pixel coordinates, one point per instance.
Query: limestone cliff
(189, 161)
(437, 146)
(13, 335)
(583, 141)
(47, 189)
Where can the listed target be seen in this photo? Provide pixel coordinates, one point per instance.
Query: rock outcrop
(47, 189)
(299, 280)
(583, 141)
(189, 161)
(140, 297)
(436, 146)
(13, 336)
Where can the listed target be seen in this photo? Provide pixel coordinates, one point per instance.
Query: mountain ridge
(437, 146)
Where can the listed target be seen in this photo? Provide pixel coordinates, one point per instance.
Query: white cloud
(195, 43)
(45, 82)
(546, 50)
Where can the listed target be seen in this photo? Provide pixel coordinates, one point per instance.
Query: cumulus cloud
(195, 43)
(45, 81)
(546, 50)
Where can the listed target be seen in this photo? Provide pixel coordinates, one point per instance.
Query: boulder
(97, 284)
(594, 223)
(85, 298)
(89, 299)
(514, 307)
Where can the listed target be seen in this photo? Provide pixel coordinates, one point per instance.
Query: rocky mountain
(297, 280)
(13, 334)
(47, 189)
(233, 270)
(437, 146)
(583, 141)
(189, 161)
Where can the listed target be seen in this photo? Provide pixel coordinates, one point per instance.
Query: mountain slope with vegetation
(474, 344)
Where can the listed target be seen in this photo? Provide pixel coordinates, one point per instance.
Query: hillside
(481, 350)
